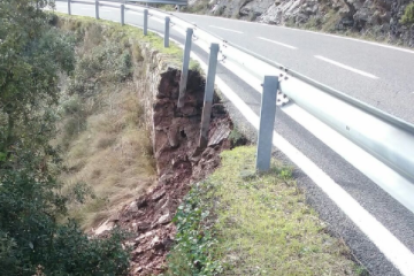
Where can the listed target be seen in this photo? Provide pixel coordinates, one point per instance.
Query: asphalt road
(396, 218)
(378, 75)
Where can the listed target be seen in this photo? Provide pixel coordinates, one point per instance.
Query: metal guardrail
(166, 2)
(388, 138)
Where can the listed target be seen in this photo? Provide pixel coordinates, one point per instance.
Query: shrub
(31, 241)
(408, 17)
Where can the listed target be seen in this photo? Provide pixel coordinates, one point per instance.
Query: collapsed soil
(179, 162)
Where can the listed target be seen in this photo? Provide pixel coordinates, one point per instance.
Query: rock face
(179, 161)
(378, 18)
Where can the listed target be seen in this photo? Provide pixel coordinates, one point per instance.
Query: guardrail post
(208, 95)
(97, 9)
(186, 63)
(69, 11)
(122, 14)
(145, 22)
(167, 32)
(267, 121)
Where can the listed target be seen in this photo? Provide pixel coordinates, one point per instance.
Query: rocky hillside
(385, 20)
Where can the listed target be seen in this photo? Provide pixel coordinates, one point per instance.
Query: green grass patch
(238, 222)
(124, 34)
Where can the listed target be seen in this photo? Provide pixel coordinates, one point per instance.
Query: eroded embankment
(119, 95)
(179, 163)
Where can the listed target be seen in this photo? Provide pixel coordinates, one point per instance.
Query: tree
(33, 54)
(31, 240)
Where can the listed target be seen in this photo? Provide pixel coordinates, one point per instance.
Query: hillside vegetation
(33, 56)
(103, 133)
(383, 20)
(74, 145)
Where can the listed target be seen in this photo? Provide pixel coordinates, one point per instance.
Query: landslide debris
(179, 161)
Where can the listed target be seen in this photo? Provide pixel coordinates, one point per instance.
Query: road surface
(376, 74)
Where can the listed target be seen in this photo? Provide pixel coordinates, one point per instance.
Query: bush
(408, 17)
(31, 241)
(105, 63)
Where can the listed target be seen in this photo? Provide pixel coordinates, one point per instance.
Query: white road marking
(383, 45)
(385, 241)
(395, 251)
(392, 248)
(224, 29)
(365, 74)
(390, 181)
(277, 43)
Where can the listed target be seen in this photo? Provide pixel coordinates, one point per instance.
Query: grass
(195, 66)
(113, 155)
(107, 148)
(126, 34)
(330, 21)
(255, 224)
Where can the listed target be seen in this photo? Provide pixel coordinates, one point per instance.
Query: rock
(138, 251)
(133, 207)
(165, 178)
(155, 241)
(164, 219)
(172, 136)
(141, 202)
(138, 269)
(158, 194)
(220, 133)
(143, 226)
(188, 110)
(176, 136)
(245, 11)
(106, 226)
(146, 235)
(162, 205)
(301, 18)
(134, 227)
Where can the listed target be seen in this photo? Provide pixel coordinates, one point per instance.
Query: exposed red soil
(179, 163)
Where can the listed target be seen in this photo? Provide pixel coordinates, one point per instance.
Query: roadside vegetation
(74, 148)
(33, 56)
(408, 17)
(102, 131)
(238, 222)
(73, 141)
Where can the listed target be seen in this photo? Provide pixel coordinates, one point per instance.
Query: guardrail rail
(388, 138)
